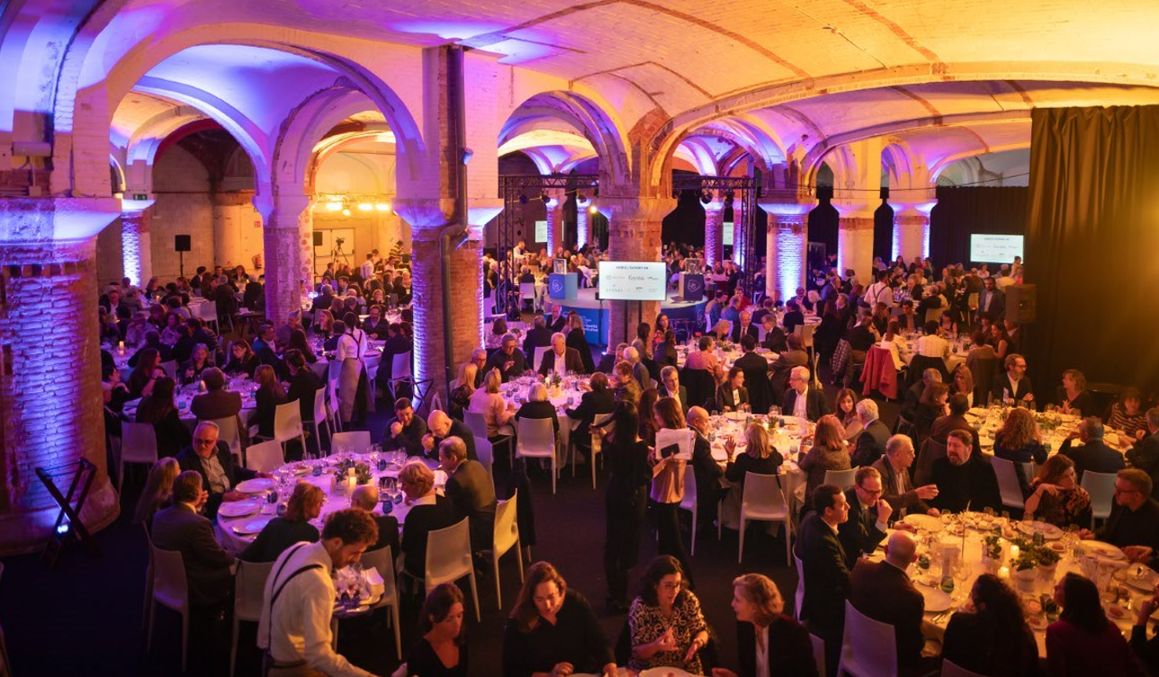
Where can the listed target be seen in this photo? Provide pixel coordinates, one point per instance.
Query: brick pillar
(739, 232)
(583, 223)
(136, 246)
(283, 217)
(50, 383)
(714, 232)
(911, 229)
(633, 235)
(855, 239)
(786, 247)
(556, 197)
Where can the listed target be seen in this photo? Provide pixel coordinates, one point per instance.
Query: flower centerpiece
(361, 472)
(555, 383)
(992, 547)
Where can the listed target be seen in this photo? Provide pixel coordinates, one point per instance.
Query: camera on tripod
(340, 241)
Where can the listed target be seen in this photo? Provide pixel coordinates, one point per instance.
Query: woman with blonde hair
(158, 489)
(294, 526)
(462, 388)
(765, 635)
(487, 401)
(760, 457)
(829, 452)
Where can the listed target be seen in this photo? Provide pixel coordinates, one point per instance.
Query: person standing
(668, 487)
(625, 503)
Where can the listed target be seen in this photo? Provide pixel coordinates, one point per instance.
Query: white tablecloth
(184, 395)
(786, 440)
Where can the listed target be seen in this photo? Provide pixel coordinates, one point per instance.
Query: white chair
(322, 416)
(449, 559)
(506, 537)
(536, 439)
(761, 333)
(248, 596)
(485, 453)
(527, 293)
(170, 590)
(170, 368)
(227, 432)
(1008, 484)
(842, 478)
(138, 445)
(490, 315)
(288, 425)
(400, 372)
(689, 501)
(763, 501)
(949, 669)
(818, 652)
(383, 560)
(265, 456)
(207, 313)
(1101, 487)
(540, 351)
(357, 441)
(799, 595)
(476, 422)
(868, 648)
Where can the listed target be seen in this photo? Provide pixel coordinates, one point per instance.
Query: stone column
(714, 232)
(787, 247)
(555, 200)
(855, 239)
(282, 225)
(136, 247)
(739, 232)
(583, 227)
(50, 375)
(633, 235)
(911, 229)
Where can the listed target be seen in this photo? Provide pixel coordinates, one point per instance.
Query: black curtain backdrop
(961, 212)
(1092, 235)
(823, 221)
(883, 232)
(685, 223)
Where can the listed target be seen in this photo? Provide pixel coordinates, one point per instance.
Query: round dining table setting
(728, 353)
(1054, 425)
(183, 398)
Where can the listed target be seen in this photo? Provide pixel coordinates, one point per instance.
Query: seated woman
(428, 512)
(441, 649)
(829, 451)
(845, 407)
(198, 362)
(999, 340)
(1128, 414)
(499, 326)
(759, 457)
(242, 360)
(487, 401)
(158, 489)
(1076, 399)
(1082, 641)
(462, 388)
(1055, 496)
(323, 324)
(666, 349)
(665, 624)
(577, 338)
(931, 407)
(305, 504)
(1019, 439)
(962, 381)
(893, 340)
(552, 630)
(537, 405)
(158, 408)
(765, 636)
(267, 398)
(732, 395)
(298, 341)
(145, 374)
(993, 639)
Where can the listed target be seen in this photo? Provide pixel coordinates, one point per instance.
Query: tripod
(337, 254)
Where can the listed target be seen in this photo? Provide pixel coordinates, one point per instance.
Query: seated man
(539, 336)
(956, 420)
(366, 497)
(705, 358)
(561, 359)
(868, 516)
(1145, 454)
(1092, 454)
(179, 527)
(406, 431)
(1134, 522)
(795, 356)
(883, 591)
(871, 442)
(775, 339)
(669, 386)
(801, 400)
(470, 491)
(897, 487)
(219, 474)
(909, 406)
(963, 478)
(707, 471)
(440, 427)
(507, 360)
(216, 402)
(1013, 385)
(598, 400)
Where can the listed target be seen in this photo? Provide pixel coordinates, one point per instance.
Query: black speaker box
(182, 243)
(317, 239)
(1020, 303)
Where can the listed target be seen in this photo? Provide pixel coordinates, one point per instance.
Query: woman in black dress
(732, 394)
(759, 457)
(281, 532)
(198, 362)
(242, 360)
(267, 398)
(576, 338)
(552, 630)
(158, 409)
(626, 502)
(441, 649)
(764, 631)
(666, 351)
(299, 342)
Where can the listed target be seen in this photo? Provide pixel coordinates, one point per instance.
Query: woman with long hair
(441, 649)
(145, 374)
(324, 324)
(1129, 415)
(294, 526)
(552, 630)
(999, 340)
(158, 489)
(626, 501)
(1082, 641)
(267, 398)
(462, 388)
(668, 485)
(666, 350)
(1055, 495)
(662, 326)
(993, 639)
(198, 362)
(665, 624)
(648, 400)
(759, 457)
(962, 382)
(577, 338)
(298, 341)
(1019, 439)
(242, 359)
(828, 452)
(496, 412)
(845, 407)
(159, 409)
(931, 407)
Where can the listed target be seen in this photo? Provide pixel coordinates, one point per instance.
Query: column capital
(27, 219)
(284, 203)
(714, 206)
(786, 209)
(912, 208)
(136, 206)
(635, 208)
(853, 209)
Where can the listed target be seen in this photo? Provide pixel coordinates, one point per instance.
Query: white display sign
(995, 248)
(633, 280)
(728, 233)
(671, 442)
(541, 231)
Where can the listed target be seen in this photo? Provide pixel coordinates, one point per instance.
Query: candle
(350, 484)
(1014, 550)
(350, 472)
(1004, 573)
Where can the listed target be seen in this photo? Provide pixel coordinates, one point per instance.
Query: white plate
(665, 672)
(1146, 582)
(256, 485)
(239, 508)
(1049, 531)
(251, 527)
(927, 522)
(1102, 550)
(936, 600)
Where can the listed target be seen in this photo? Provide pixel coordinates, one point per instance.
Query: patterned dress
(646, 624)
(1068, 506)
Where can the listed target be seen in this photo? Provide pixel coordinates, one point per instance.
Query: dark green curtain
(1092, 245)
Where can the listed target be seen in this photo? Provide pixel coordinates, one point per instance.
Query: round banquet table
(235, 536)
(959, 347)
(183, 397)
(563, 397)
(1054, 426)
(726, 357)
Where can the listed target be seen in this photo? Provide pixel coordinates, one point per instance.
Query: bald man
(365, 496)
(707, 470)
(883, 591)
(441, 427)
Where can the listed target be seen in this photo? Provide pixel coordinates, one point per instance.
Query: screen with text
(995, 248)
(633, 280)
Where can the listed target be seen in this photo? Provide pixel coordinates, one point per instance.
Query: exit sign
(140, 196)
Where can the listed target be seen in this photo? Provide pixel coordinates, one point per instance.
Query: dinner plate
(1141, 577)
(665, 672)
(1049, 531)
(937, 601)
(256, 485)
(251, 527)
(239, 508)
(927, 522)
(1102, 549)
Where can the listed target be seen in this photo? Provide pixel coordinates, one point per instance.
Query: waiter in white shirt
(298, 605)
(879, 292)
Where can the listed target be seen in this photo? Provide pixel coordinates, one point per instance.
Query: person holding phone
(668, 484)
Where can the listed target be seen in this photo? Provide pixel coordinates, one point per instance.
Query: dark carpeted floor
(85, 617)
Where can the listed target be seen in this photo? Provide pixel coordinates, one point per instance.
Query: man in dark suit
(896, 486)
(964, 478)
(561, 359)
(823, 564)
(212, 459)
(870, 444)
(509, 361)
(557, 320)
(1093, 454)
(913, 394)
(801, 400)
(991, 301)
(440, 427)
(366, 497)
(304, 384)
(744, 327)
(793, 316)
(398, 342)
(539, 336)
(470, 491)
(599, 400)
(1013, 384)
(956, 420)
(376, 326)
(216, 402)
(669, 386)
(179, 528)
(707, 471)
(255, 295)
(906, 319)
(775, 339)
(1145, 454)
(868, 516)
(861, 338)
(883, 592)
(324, 299)
(788, 360)
(264, 347)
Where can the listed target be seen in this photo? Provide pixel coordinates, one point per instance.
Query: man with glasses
(1134, 522)
(479, 358)
(897, 487)
(1013, 385)
(509, 361)
(868, 516)
(211, 458)
(801, 400)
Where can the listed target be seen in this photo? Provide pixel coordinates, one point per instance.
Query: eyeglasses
(205, 442)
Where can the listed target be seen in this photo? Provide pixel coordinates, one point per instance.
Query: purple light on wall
(789, 223)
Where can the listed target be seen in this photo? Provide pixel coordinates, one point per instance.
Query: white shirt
(298, 629)
(559, 365)
(367, 270)
(879, 292)
(351, 346)
(932, 345)
(762, 642)
(800, 404)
